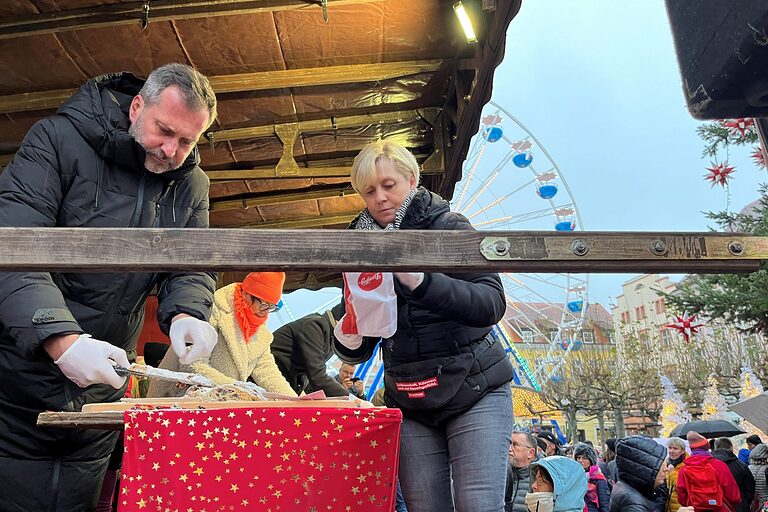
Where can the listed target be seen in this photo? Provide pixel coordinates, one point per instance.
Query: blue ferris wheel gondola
(522, 159)
(575, 306)
(493, 133)
(547, 191)
(565, 225)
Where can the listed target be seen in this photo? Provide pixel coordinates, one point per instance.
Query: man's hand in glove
(191, 338)
(410, 280)
(88, 361)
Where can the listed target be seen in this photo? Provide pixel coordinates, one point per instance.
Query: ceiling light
(466, 23)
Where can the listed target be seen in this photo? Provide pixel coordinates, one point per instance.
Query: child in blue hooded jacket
(558, 485)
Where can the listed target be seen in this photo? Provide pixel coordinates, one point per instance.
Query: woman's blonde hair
(364, 167)
(676, 441)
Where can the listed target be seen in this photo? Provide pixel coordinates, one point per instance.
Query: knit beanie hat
(611, 444)
(267, 286)
(754, 439)
(584, 450)
(696, 440)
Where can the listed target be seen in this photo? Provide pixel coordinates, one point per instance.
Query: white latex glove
(89, 361)
(410, 280)
(192, 339)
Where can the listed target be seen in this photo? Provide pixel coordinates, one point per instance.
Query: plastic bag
(371, 307)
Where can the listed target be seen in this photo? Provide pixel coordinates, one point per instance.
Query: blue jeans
(465, 459)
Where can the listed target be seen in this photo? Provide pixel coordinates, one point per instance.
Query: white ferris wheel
(511, 182)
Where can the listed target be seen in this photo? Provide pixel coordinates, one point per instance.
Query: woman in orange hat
(240, 312)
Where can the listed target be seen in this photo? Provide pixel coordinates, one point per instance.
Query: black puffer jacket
(447, 316)
(638, 461)
(742, 475)
(81, 168)
(301, 349)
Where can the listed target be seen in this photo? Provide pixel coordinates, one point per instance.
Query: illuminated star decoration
(758, 157)
(719, 173)
(739, 127)
(685, 325)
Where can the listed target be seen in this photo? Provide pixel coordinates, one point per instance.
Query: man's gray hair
(530, 441)
(194, 86)
(723, 443)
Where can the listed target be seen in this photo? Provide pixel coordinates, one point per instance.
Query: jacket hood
(425, 207)
(99, 112)
(725, 455)
(638, 461)
(759, 452)
(570, 482)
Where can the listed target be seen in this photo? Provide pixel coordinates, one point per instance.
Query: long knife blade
(148, 372)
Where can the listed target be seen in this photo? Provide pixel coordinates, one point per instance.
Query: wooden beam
(292, 197)
(126, 249)
(271, 173)
(262, 81)
(319, 125)
(159, 10)
(307, 222)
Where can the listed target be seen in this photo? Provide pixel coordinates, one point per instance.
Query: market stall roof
(302, 86)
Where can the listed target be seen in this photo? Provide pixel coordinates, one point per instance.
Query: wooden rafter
(319, 125)
(282, 198)
(261, 81)
(156, 10)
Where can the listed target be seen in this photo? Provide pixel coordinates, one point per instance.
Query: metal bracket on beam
(500, 248)
(637, 246)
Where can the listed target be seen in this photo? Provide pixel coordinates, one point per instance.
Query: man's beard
(157, 165)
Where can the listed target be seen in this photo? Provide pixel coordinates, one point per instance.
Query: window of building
(553, 335)
(660, 306)
(640, 312)
(587, 336)
(527, 336)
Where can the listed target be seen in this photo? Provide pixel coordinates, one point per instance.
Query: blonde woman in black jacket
(443, 370)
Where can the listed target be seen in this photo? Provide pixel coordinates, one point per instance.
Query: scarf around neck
(593, 475)
(247, 320)
(366, 222)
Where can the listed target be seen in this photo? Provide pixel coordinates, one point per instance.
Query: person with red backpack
(704, 482)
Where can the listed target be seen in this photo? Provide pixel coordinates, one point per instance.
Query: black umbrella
(707, 428)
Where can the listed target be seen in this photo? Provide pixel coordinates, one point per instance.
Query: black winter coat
(742, 475)
(302, 347)
(81, 168)
(446, 315)
(638, 461)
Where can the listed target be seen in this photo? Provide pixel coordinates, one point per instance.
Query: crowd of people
(636, 474)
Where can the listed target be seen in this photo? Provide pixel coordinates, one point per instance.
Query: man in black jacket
(301, 349)
(119, 153)
(724, 451)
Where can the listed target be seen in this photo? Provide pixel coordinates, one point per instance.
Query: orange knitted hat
(267, 286)
(696, 440)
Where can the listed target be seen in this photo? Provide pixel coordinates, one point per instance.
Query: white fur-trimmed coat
(231, 359)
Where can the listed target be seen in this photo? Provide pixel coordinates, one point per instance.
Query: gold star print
(218, 478)
(200, 446)
(355, 490)
(307, 436)
(217, 455)
(244, 503)
(268, 444)
(142, 434)
(191, 422)
(326, 433)
(183, 478)
(278, 493)
(297, 422)
(233, 488)
(286, 456)
(199, 471)
(141, 503)
(374, 444)
(156, 466)
(207, 434)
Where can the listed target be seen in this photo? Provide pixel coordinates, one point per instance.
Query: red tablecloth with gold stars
(267, 459)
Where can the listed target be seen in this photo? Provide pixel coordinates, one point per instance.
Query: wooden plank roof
(299, 95)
